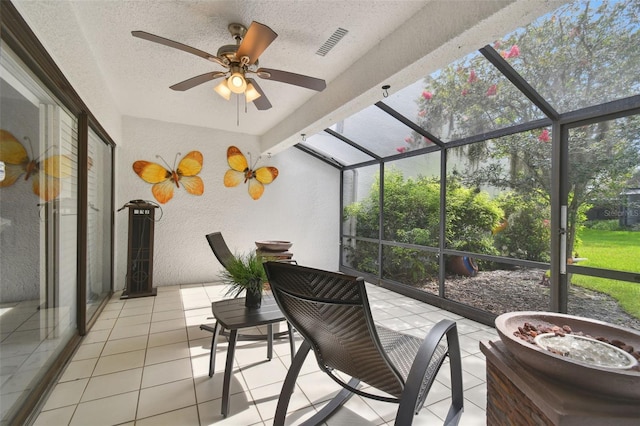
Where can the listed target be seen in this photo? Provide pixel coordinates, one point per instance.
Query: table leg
(269, 341)
(233, 337)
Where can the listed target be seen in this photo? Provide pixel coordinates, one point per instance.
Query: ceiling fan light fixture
(236, 82)
(251, 94)
(223, 90)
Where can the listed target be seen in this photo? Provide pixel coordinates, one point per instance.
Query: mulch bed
(503, 291)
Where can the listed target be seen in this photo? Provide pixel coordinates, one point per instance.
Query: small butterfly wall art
(165, 178)
(240, 171)
(17, 162)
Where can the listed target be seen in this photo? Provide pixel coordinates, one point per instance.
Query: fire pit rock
(606, 382)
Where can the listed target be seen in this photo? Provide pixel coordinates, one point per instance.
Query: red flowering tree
(584, 54)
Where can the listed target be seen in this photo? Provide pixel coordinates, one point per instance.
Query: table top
(232, 314)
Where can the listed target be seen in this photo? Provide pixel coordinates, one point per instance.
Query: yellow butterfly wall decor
(17, 162)
(240, 171)
(164, 179)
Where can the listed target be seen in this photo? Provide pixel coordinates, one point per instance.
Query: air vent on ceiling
(332, 41)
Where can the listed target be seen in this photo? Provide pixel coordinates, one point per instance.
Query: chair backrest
(220, 248)
(331, 311)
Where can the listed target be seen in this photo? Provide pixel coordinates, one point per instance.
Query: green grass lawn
(619, 250)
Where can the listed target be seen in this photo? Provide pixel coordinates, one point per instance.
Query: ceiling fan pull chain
(238, 110)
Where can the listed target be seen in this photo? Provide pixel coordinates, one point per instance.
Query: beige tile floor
(145, 362)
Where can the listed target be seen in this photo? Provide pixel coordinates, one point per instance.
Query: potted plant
(245, 272)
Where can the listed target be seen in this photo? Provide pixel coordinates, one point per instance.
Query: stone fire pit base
(523, 396)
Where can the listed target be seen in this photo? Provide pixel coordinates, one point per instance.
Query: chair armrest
(421, 377)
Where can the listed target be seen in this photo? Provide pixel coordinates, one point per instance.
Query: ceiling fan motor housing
(228, 53)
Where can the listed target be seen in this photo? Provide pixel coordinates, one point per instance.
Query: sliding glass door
(38, 231)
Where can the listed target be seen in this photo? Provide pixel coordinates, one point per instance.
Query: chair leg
(290, 383)
(269, 341)
(214, 344)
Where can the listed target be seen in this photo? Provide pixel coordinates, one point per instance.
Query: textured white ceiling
(388, 41)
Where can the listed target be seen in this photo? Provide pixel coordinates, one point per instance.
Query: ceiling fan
(239, 60)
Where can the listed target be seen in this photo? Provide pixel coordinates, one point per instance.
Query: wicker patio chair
(220, 249)
(331, 312)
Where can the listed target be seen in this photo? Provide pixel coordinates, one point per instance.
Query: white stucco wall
(301, 205)
(78, 64)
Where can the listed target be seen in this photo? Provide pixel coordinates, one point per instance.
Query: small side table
(232, 315)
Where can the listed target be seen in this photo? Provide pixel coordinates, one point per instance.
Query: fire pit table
(529, 385)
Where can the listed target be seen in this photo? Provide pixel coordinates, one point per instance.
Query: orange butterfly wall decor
(240, 171)
(17, 162)
(165, 178)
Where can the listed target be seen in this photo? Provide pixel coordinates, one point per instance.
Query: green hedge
(412, 215)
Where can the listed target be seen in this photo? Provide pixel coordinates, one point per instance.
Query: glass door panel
(38, 231)
(99, 223)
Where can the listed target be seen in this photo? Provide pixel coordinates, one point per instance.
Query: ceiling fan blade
(255, 41)
(199, 79)
(176, 45)
(292, 78)
(262, 103)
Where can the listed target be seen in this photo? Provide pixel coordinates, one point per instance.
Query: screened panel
(406, 100)
(375, 130)
(498, 197)
(470, 217)
(361, 201)
(498, 191)
(585, 53)
(360, 255)
(466, 98)
(412, 267)
(412, 200)
(607, 300)
(604, 178)
(498, 290)
(332, 147)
